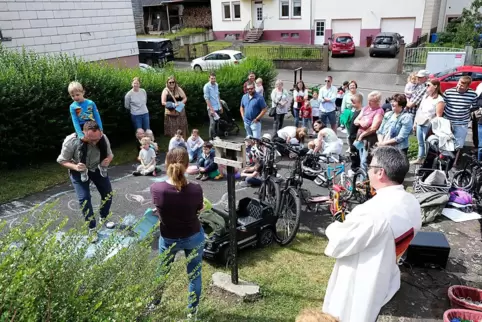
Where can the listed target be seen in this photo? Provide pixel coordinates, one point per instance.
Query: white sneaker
(84, 175)
(344, 131)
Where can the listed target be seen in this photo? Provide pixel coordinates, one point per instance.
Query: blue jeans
(254, 182)
(421, 138)
(190, 245)
(141, 121)
(480, 141)
(296, 114)
(460, 134)
(363, 152)
(307, 124)
(194, 154)
(82, 190)
(253, 129)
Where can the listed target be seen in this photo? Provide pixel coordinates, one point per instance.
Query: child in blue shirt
(83, 110)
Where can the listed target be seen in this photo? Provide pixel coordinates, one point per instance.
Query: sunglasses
(374, 167)
(171, 82)
(327, 80)
(250, 88)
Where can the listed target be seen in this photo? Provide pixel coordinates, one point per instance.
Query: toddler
(150, 135)
(207, 167)
(315, 107)
(177, 141)
(306, 115)
(83, 110)
(147, 157)
(411, 84)
(259, 87)
(194, 145)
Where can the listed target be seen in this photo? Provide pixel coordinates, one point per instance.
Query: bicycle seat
(338, 188)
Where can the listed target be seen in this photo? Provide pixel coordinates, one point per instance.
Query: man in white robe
(369, 243)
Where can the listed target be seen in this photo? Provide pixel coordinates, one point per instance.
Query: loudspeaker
(428, 248)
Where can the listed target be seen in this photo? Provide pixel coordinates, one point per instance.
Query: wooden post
(233, 156)
(168, 22)
(188, 52)
(205, 49)
(401, 59)
(326, 59)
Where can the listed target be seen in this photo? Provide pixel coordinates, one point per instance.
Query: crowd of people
(377, 136)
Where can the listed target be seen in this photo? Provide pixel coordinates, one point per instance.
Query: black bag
(272, 111)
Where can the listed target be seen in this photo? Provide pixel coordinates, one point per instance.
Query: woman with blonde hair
(310, 315)
(135, 101)
(178, 203)
(173, 99)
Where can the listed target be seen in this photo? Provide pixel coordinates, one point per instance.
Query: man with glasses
(213, 101)
(369, 243)
(327, 98)
(253, 107)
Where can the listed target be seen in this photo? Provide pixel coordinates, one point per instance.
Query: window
(223, 57)
(285, 35)
(297, 8)
(211, 57)
(284, 9)
(236, 10)
(295, 35)
(476, 77)
(226, 11)
(238, 56)
(455, 77)
(343, 40)
(320, 28)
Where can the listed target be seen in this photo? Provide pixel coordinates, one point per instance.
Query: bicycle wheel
(269, 192)
(289, 217)
(463, 179)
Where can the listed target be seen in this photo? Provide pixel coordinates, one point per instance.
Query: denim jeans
(296, 114)
(253, 129)
(194, 154)
(254, 182)
(190, 245)
(460, 134)
(82, 190)
(480, 141)
(363, 153)
(328, 118)
(421, 138)
(213, 126)
(308, 125)
(141, 121)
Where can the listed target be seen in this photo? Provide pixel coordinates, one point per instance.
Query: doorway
(257, 14)
(319, 32)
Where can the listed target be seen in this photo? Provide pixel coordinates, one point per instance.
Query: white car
(146, 68)
(217, 59)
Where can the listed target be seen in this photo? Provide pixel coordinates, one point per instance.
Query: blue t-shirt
(252, 106)
(83, 112)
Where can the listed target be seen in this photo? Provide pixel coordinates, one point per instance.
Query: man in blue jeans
(253, 107)
(327, 98)
(71, 158)
(213, 101)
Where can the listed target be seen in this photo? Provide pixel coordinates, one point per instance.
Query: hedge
(34, 102)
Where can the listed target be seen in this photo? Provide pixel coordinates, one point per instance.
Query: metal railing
(198, 50)
(283, 52)
(477, 57)
(418, 55)
(247, 28)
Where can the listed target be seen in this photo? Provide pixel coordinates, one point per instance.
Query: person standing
(178, 203)
(171, 98)
(459, 102)
(213, 101)
(369, 243)
(135, 101)
(328, 109)
(253, 107)
(251, 80)
(280, 100)
(70, 158)
(299, 93)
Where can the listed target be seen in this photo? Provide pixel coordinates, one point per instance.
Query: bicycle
(362, 190)
(337, 203)
(470, 178)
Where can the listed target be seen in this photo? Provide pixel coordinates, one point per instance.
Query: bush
(45, 276)
(35, 103)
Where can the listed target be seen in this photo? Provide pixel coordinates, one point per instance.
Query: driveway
(362, 62)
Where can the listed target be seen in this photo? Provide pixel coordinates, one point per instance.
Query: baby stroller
(436, 157)
(226, 123)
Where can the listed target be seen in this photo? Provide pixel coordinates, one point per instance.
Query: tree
(465, 30)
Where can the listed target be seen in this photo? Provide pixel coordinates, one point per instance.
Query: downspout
(311, 22)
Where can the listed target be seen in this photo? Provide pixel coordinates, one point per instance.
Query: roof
(342, 34)
(226, 51)
(151, 3)
(152, 39)
(470, 68)
(388, 34)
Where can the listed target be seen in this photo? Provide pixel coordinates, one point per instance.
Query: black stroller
(226, 124)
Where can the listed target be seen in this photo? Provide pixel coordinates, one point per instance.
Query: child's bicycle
(337, 203)
(362, 190)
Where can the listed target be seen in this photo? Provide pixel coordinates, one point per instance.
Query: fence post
(205, 49)
(188, 52)
(469, 55)
(325, 54)
(401, 59)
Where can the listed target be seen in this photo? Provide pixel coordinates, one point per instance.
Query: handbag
(171, 110)
(272, 110)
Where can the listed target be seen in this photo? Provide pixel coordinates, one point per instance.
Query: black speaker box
(428, 249)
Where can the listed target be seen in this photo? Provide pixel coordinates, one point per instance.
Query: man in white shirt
(327, 98)
(369, 243)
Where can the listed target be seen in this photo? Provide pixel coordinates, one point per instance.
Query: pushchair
(226, 124)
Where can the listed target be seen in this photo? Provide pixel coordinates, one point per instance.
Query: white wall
(94, 30)
(230, 25)
(454, 7)
(370, 11)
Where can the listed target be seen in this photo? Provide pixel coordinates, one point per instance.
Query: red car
(450, 77)
(341, 44)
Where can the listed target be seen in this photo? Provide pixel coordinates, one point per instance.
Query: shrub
(34, 100)
(45, 276)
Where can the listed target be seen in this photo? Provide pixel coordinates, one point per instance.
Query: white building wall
(454, 7)
(94, 30)
(370, 11)
(230, 25)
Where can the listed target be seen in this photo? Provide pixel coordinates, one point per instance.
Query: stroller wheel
(226, 133)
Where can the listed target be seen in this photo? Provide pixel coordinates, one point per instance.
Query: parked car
(450, 77)
(386, 43)
(341, 44)
(217, 59)
(155, 51)
(146, 68)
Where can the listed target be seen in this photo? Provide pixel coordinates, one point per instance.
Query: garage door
(352, 26)
(404, 26)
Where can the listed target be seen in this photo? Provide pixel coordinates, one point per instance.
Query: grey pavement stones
(246, 291)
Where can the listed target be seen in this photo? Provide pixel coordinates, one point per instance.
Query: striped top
(458, 105)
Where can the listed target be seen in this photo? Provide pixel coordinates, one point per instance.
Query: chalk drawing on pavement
(137, 198)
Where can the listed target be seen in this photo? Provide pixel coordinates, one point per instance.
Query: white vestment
(366, 275)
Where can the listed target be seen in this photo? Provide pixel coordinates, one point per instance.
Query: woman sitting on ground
(178, 204)
(327, 140)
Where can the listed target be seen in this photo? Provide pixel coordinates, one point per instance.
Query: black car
(155, 51)
(386, 44)
(255, 227)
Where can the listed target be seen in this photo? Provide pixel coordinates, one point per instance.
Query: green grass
(290, 278)
(282, 52)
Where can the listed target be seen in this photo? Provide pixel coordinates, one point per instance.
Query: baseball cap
(423, 73)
